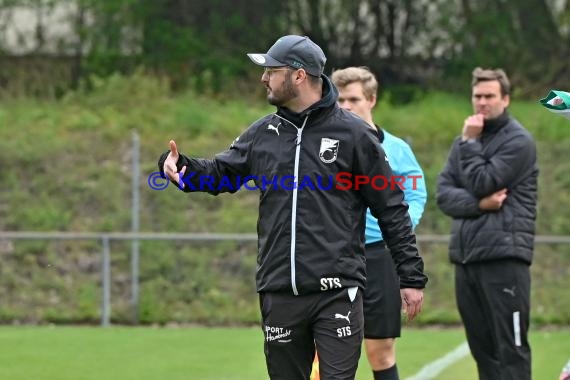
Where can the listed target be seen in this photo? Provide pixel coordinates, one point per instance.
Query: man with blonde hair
(383, 298)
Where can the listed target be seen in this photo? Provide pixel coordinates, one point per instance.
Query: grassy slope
(66, 166)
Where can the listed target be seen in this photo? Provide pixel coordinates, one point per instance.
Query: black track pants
(293, 325)
(494, 302)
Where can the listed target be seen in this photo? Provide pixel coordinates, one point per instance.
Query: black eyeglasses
(270, 70)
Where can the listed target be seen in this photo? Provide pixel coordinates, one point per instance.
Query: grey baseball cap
(298, 52)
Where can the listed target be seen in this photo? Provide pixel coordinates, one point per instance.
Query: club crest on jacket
(329, 150)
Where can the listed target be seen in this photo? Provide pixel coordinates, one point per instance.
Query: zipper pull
(300, 130)
(299, 134)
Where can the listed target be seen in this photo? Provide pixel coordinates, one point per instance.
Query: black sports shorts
(382, 300)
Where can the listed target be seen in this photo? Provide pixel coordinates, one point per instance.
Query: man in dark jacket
(314, 165)
(489, 187)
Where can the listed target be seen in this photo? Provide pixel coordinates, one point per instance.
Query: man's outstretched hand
(170, 165)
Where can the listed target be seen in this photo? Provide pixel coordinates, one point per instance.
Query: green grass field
(196, 353)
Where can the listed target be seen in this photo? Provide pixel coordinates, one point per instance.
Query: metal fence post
(106, 283)
(135, 223)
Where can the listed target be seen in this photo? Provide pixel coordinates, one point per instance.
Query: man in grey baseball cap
(311, 266)
(298, 52)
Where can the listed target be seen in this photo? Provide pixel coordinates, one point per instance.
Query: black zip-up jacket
(311, 238)
(503, 157)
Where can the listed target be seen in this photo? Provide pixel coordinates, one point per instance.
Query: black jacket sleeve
(487, 176)
(452, 198)
(389, 207)
(225, 173)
